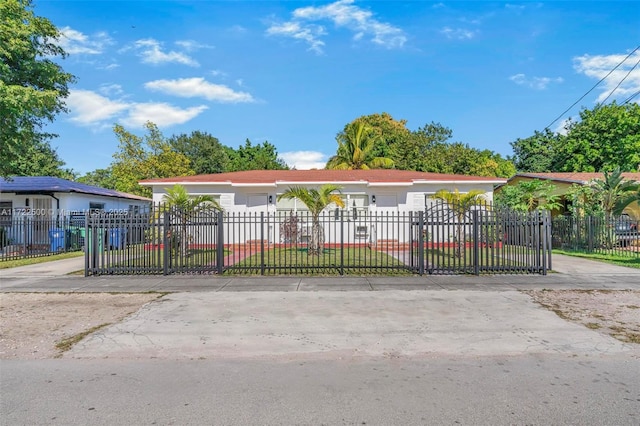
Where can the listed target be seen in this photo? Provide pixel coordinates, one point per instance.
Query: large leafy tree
(254, 157)
(605, 137)
(32, 87)
(536, 153)
(147, 157)
(428, 149)
(356, 150)
(316, 201)
(205, 152)
(460, 204)
(38, 159)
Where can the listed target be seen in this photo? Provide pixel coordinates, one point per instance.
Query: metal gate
(455, 240)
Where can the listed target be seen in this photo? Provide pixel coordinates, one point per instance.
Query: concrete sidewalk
(569, 273)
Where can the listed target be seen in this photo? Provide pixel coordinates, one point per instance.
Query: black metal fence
(618, 236)
(440, 240)
(34, 236)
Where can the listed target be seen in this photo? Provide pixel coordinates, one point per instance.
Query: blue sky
(294, 73)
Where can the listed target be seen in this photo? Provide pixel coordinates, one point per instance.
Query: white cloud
(161, 114)
(298, 31)
(458, 33)
(191, 45)
(150, 50)
(88, 108)
(91, 109)
(537, 83)
(110, 89)
(304, 160)
(198, 88)
(76, 43)
(341, 13)
(597, 67)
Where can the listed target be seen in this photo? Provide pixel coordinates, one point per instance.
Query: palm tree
(316, 201)
(355, 150)
(615, 192)
(183, 208)
(460, 204)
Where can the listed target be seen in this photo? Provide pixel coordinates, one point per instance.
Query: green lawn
(4, 264)
(296, 260)
(633, 262)
(139, 258)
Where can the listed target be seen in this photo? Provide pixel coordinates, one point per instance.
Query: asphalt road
(531, 390)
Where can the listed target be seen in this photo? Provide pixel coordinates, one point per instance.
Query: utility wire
(626, 101)
(621, 81)
(590, 90)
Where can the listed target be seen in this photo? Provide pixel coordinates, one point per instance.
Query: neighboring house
(565, 180)
(367, 190)
(31, 206)
(366, 193)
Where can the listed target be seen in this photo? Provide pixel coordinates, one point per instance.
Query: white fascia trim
(390, 184)
(261, 185)
(476, 182)
(323, 182)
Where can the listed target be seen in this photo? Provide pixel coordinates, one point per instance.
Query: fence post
(85, 244)
(220, 243)
(166, 244)
(476, 242)
(421, 242)
(341, 242)
(261, 243)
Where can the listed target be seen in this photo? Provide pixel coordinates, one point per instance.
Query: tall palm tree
(355, 150)
(316, 201)
(460, 204)
(183, 208)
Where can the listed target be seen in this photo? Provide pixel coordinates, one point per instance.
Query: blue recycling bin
(57, 239)
(117, 238)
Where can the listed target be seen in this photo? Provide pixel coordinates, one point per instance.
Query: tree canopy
(356, 149)
(427, 149)
(605, 137)
(32, 89)
(254, 157)
(205, 152)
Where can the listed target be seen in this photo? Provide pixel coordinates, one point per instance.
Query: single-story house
(32, 205)
(372, 190)
(366, 193)
(565, 180)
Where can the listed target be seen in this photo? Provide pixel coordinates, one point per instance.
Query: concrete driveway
(332, 325)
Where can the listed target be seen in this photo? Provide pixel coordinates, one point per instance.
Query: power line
(621, 81)
(590, 90)
(626, 101)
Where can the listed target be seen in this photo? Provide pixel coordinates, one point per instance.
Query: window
(290, 205)
(6, 211)
(95, 207)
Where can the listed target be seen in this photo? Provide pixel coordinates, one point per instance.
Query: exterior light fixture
(373, 199)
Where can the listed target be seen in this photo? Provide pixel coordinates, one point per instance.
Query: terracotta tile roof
(575, 177)
(321, 176)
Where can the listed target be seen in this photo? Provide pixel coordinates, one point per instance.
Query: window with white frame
(290, 204)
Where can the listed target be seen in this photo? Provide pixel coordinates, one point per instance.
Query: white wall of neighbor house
(45, 205)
